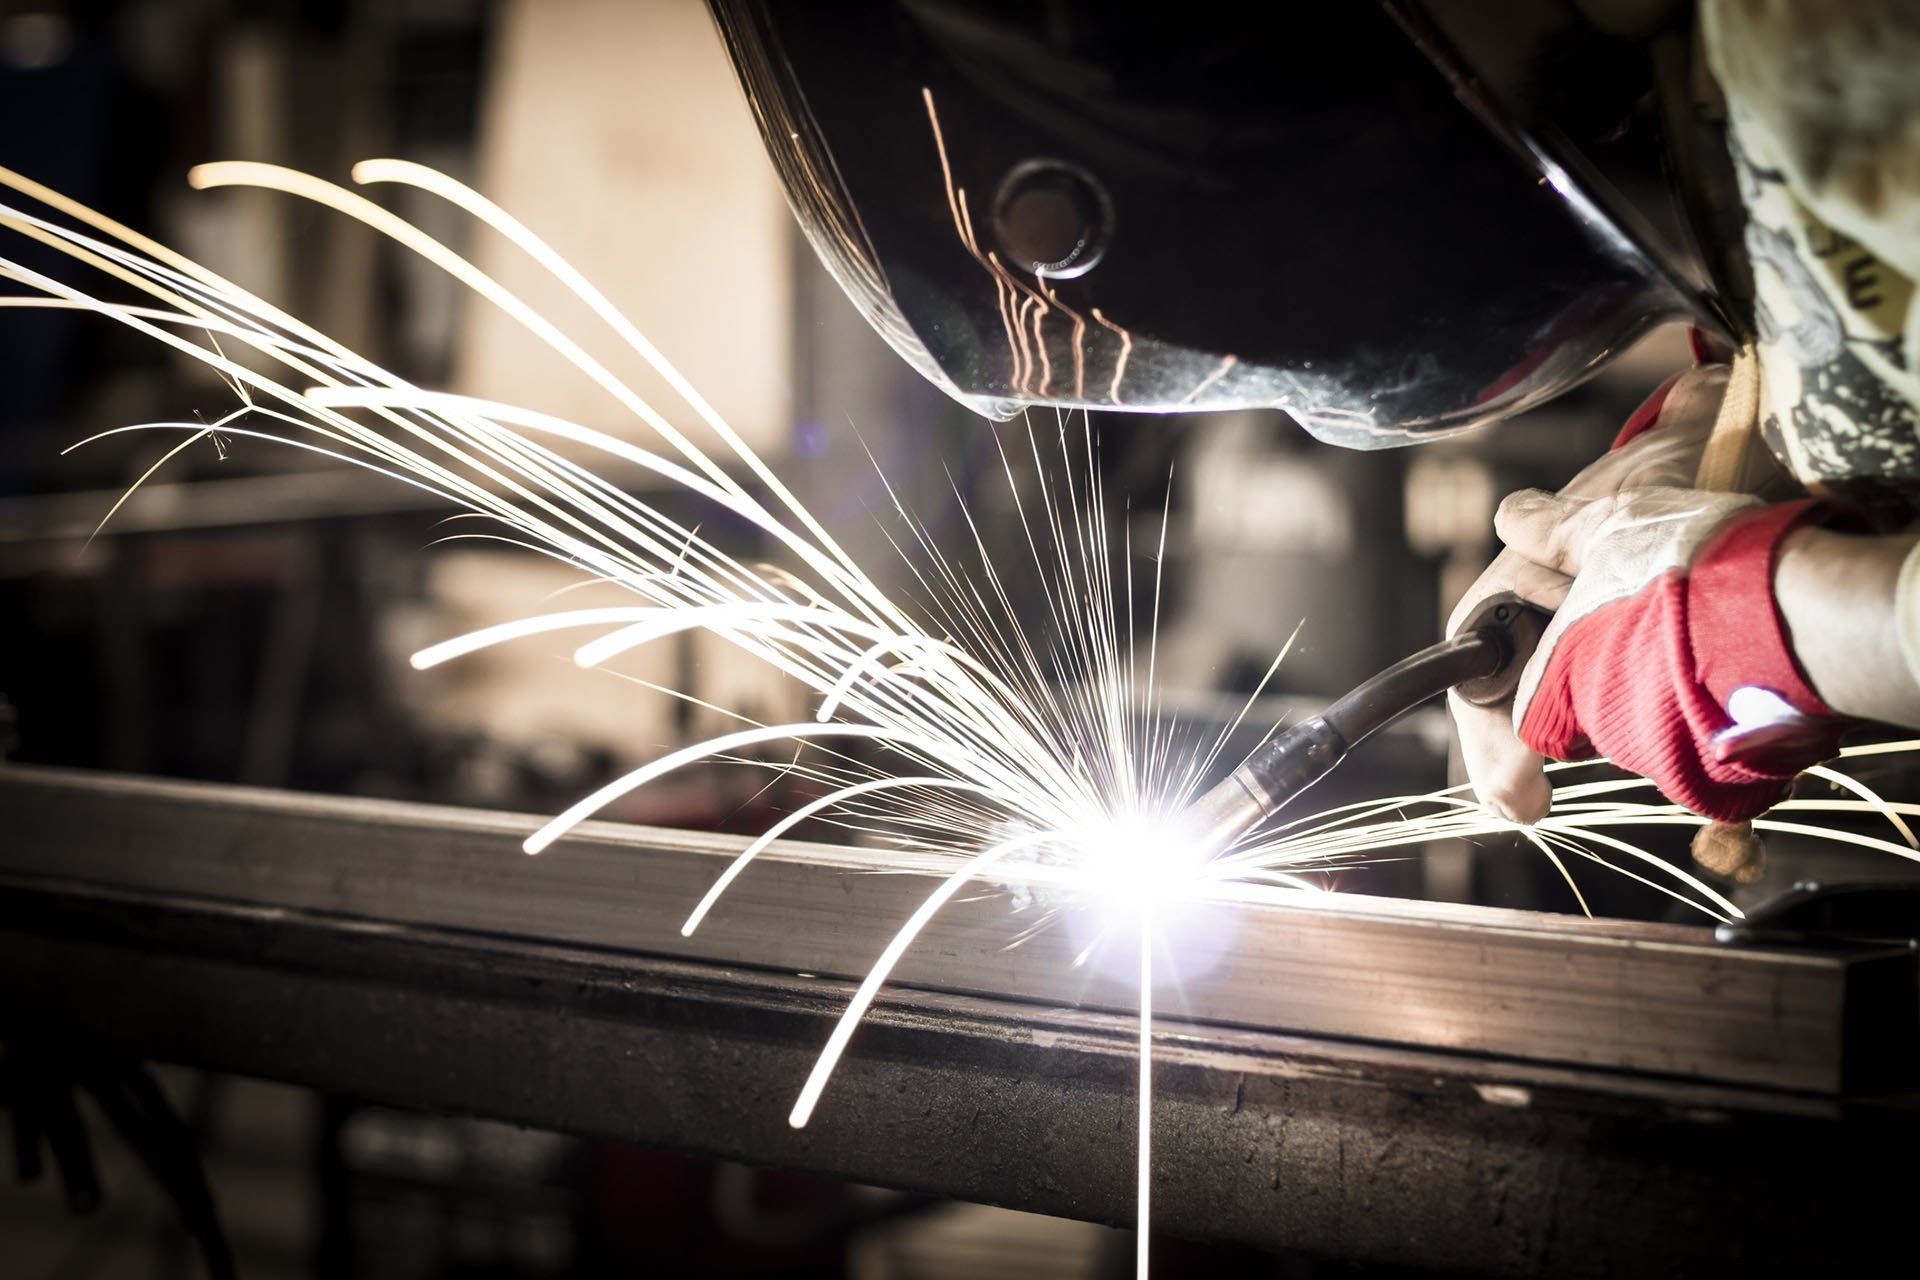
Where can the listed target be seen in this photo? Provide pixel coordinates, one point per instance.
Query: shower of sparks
(1580, 825)
(1039, 763)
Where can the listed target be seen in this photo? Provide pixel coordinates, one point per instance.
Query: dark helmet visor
(1202, 205)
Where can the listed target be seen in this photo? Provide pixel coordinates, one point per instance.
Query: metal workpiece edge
(1609, 994)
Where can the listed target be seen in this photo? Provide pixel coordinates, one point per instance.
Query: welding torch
(1481, 662)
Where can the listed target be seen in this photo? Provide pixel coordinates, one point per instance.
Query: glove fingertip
(1525, 799)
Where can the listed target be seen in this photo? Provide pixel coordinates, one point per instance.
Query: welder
(1390, 220)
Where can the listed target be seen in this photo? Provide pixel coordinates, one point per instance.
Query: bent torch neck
(1267, 779)
(1483, 661)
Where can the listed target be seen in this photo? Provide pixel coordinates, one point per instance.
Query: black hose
(1483, 661)
(1301, 756)
(1406, 684)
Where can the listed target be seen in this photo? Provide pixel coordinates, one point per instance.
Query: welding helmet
(1204, 205)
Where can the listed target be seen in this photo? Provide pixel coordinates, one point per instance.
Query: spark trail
(945, 721)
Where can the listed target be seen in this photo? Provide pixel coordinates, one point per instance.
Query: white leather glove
(1661, 445)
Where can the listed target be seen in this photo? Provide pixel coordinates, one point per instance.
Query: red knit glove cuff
(1733, 621)
(1645, 679)
(1738, 639)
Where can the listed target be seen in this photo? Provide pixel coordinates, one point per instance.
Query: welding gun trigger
(1517, 625)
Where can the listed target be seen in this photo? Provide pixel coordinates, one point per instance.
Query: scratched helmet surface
(1204, 205)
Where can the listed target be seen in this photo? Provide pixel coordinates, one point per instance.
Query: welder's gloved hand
(1667, 653)
(1660, 445)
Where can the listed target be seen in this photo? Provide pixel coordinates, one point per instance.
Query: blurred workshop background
(247, 615)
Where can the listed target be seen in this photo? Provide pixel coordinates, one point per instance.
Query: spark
(883, 967)
(1143, 1170)
(1009, 760)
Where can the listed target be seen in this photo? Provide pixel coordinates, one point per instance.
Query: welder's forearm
(1841, 597)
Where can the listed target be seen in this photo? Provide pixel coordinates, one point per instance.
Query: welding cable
(1483, 661)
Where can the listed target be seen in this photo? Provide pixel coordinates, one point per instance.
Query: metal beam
(408, 955)
(1353, 1151)
(1619, 995)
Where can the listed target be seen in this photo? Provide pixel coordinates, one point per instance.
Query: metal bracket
(1812, 913)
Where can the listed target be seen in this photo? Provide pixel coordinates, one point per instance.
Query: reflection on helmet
(1196, 206)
